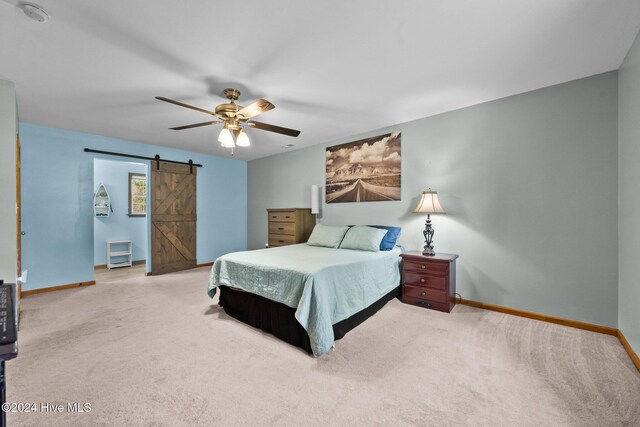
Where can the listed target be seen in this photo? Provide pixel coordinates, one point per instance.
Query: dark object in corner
(8, 338)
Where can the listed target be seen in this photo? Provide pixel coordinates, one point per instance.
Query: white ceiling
(332, 68)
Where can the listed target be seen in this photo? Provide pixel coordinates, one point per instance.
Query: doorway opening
(120, 223)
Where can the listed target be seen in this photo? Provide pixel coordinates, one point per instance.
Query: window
(137, 194)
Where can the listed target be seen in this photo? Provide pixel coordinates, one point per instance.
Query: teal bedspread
(324, 285)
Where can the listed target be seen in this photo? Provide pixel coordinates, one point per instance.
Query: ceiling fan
(234, 117)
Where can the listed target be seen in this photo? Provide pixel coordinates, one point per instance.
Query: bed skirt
(279, 319)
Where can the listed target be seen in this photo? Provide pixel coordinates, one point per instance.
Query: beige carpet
(156, 351)
(103, 275)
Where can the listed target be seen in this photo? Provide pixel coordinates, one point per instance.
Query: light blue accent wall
(529, 184)
(118, 225)
(57, 194)
(629, 193)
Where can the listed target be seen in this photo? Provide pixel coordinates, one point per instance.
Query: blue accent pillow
(389, 239)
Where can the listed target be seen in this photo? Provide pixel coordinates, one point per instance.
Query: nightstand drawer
(281, 240)
(441, 267)
(426, 280)
(425, 294)
(282, 228)
(426, 304)
(282, 216)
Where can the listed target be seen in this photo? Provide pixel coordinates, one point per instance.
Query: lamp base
(428, 238)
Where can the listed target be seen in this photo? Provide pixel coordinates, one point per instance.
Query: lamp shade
(243, 139)
(225, 138)
(429, 203)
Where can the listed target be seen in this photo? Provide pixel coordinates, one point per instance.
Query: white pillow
(363, 238)
(328, 236)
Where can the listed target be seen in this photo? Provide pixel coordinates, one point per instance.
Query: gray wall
(529, 184)
(8, 130)
(629, 205)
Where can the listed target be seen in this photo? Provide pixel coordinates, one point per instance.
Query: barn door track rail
(157, 158)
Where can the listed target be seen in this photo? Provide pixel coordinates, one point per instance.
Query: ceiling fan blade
(194, 125)
(182, 104)
(258, 107)
(273, 128)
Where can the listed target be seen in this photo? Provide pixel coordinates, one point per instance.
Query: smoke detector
(34, 11)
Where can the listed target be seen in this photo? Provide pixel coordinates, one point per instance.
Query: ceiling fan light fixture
(234, 118)
(226, 138)
(243, 139)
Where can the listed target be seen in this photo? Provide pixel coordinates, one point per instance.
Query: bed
(306, 295)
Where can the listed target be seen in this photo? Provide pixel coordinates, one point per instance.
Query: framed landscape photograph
(364, 171)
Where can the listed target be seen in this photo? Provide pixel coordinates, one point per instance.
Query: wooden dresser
(429, 281)
(289, 226)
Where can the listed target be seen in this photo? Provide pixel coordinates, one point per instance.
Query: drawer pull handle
(424, 304)
(422, 280)
(280, 241)
(424, 267)
(287, 216)
(423, 293)
(280, 228)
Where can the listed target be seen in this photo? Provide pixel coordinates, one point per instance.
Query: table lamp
(429, 204)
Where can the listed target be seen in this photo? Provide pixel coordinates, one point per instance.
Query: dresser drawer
(441, 267)
(282, 228)
(282, 216)
(431, 295)
(281, 240)
(427, 304)
(426, 280)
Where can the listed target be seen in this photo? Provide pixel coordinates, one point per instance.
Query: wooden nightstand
(429, 281)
